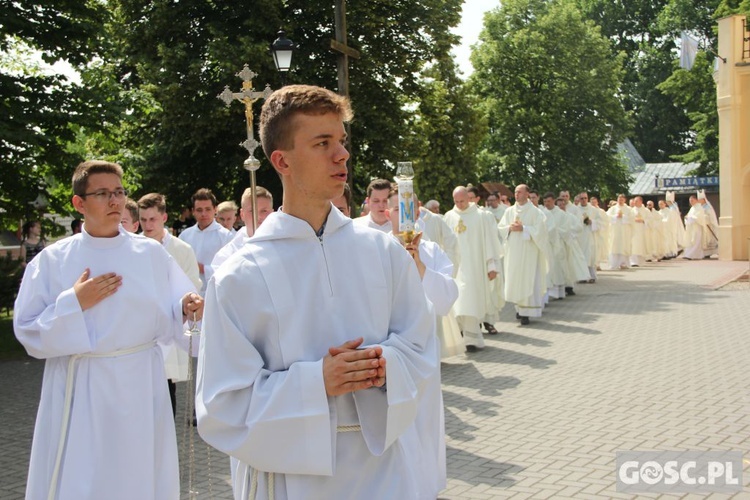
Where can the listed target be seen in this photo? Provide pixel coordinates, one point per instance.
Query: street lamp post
(282, 49)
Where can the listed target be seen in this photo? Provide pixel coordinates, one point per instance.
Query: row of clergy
(580, 236)
(561, 243)
(525, 258)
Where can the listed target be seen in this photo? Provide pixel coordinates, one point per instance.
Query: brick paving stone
(547, 494)
(651, 358)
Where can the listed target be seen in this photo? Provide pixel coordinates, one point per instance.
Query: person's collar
(280, 225)
(471, 208)
(214, 226)
(112, 242)
(375, 222)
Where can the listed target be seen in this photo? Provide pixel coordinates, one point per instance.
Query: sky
(469, 28)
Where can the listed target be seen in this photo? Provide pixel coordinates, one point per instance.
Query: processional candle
(406, 208)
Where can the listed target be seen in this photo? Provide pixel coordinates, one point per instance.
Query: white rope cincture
(270, 475)
(190, 410)
(68, 402)
(253, 486)
(349, 428)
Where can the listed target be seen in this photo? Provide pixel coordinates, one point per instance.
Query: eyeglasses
(104, 195)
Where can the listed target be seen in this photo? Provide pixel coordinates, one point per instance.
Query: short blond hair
(260, 192)
(226, 206)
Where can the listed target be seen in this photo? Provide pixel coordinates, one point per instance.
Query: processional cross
(248, 96)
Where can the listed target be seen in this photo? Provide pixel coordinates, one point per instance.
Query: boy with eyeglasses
(94, 306)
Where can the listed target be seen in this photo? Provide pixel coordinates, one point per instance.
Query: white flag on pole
(688, 51)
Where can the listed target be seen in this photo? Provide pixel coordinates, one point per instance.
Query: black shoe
(490, 328)
(524, 320)
(471, 348)
(518, 316)
(569, 290)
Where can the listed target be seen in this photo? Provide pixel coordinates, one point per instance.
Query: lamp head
(282, 49)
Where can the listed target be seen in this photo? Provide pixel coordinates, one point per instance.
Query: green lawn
(9, 346)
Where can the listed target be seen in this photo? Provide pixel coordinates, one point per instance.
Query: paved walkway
(653, 358)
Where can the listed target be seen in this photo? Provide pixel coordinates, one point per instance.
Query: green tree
(41, 110)
(182, 54)
(635, 28)
(731, 7)
(448, 129)
(170, 60)
(549, 86)
(694, 90)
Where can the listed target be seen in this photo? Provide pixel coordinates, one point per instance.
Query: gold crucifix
(248, 96)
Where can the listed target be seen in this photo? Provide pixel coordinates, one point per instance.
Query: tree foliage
(668, 125)
(180, 55)
(695, 91)
(731, 7)
(544, 106)
(636, 28)
(549, 85)
(447, 129)
(41, 110)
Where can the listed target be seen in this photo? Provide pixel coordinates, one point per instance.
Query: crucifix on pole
(344, 53)
(248, 96)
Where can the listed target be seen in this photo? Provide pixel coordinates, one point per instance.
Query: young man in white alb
(264, 199)
(226, 215)
(152, 213)
(207, 236)
(315, 351)
(94, 306)
(377, 196)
